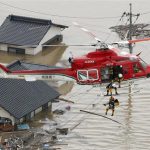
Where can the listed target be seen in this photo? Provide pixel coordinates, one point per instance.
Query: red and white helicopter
(99, 66)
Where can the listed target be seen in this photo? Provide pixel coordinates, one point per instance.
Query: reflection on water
(128, 130)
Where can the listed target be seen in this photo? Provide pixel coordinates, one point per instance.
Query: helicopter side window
(144, 64)
(84, 75)
(93, 74)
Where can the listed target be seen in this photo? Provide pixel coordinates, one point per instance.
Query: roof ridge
(29, 19)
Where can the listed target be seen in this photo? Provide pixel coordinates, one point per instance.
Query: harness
(112, 104)
(109, 86)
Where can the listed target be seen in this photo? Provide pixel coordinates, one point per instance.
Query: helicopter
(99, 66)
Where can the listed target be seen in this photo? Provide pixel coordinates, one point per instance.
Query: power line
(69, 17)
(145, 13)
(130, 16)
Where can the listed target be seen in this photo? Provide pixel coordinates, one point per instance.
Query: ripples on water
(94, 132)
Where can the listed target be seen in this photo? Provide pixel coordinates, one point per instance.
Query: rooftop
(20, 97)
(20, 65)
(20, 30)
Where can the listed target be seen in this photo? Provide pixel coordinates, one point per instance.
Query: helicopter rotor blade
(121, 42)
(70, 45)
(24, 46)
(87, 31)
(139, 40)
(132, 41)
(138, 54)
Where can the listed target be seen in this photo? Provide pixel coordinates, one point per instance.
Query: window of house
(16, 50)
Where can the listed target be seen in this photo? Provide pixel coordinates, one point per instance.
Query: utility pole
(130, 33)
(130, 26)
(130, 29)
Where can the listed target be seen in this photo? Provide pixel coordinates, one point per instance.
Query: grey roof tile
(20, 65)
(18, 30)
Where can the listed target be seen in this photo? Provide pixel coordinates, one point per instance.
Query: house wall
(29, 51)
(3, 47)
(38, 110)
(50, 34)
(4, 113)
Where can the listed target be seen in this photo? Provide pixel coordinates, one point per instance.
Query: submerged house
(21, 100)
(25, 35)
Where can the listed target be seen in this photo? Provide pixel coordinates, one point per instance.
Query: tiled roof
(18, 30)
(20, 65)
(20, 97)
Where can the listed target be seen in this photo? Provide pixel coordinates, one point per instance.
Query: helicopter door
(106, 73)
(87, 75)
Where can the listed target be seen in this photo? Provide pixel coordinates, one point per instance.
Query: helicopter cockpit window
(144, 64)
(123, 53)
(136, 68)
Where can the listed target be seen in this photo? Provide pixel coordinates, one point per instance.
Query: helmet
(120, 75)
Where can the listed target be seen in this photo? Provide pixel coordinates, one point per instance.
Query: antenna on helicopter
(70, 59)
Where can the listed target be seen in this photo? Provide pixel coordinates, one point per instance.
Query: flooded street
(87, 131)
(91, 132)
(49, 56)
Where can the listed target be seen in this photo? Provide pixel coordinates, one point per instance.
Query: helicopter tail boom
(58, 71)
(4, 69)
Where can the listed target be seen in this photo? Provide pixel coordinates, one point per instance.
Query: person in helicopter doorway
(119, 75)
(110, 87)
(111, 105)
(120, 78)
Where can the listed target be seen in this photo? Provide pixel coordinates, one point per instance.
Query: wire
(112, 17)
(145, 13)
(69, 17)
(110, 34)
